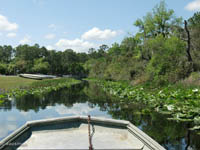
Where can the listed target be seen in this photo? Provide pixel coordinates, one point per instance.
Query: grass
(17, 87)
(12, 82)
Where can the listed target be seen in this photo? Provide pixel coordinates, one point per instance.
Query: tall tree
(194, 27)
(102, 50)
(6, 53)
(160, 21)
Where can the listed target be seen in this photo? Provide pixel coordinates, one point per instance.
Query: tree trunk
(188, 42)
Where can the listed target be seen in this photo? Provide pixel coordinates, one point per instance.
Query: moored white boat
(37, 76)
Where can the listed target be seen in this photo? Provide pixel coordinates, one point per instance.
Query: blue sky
(77, 24)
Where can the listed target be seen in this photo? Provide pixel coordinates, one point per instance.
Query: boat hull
(72, 133)
(37, 76)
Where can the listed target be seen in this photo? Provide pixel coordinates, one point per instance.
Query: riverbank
(181, 103)
(37, 87)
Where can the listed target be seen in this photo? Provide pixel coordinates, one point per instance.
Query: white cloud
(77, 45)
(52, 26)
(49, 47)
(5, 25)
(11, 35)
(193, 6)
(97, 34)
(25, 40)
(50, 36)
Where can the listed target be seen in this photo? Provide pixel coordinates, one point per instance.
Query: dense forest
(165, 50)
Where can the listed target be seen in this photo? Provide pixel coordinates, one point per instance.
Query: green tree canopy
(160, 21)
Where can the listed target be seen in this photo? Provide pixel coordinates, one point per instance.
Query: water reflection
(88, 98)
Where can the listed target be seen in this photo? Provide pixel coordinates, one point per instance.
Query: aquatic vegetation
(38, 88)
(181, 103)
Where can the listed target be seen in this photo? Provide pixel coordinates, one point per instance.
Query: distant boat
(74, 133)
(37, 76)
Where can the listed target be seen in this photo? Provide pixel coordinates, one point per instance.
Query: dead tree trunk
(188, 42)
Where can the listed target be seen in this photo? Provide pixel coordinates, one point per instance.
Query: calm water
(88, 98)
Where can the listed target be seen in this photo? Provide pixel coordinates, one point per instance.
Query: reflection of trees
(65, 96)
(193, 138)
(170, 134)
(6, 105)
(97, 97)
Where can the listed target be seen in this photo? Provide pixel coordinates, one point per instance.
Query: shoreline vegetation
(33, 87)
(182, 104)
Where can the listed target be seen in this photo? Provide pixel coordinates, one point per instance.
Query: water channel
(88, 98)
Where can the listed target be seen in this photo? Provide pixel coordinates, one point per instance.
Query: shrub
(168, 62)
(3, 68)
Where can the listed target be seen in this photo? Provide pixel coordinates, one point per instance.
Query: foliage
(194, 28)
(6, 54)
(156, 54)
(36, 59)
(172, 66)
(182, 104)
(3, 68)
(40, 66)
(195, 20)
(38, 88)
(160, 21)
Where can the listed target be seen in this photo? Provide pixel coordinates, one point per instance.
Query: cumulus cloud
(97, 34)
(25, 40)
(50, 36)
(11, 35)
(193, 6)
(49, 47)
(5, 25)
(77, 45)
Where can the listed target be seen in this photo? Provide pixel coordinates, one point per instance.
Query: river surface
(88, 98)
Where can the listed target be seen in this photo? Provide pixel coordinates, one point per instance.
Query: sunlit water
(88, 98)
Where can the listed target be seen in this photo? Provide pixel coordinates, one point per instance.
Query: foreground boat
(37, 76)
(72, 133)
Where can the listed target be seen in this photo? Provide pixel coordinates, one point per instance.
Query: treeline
(35, 59)
(165, 50)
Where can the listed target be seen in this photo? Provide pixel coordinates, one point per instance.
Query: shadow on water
(172, 135)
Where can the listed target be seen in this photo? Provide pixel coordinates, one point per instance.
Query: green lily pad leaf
(195, 128)
(180, 119)
(197, 120)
